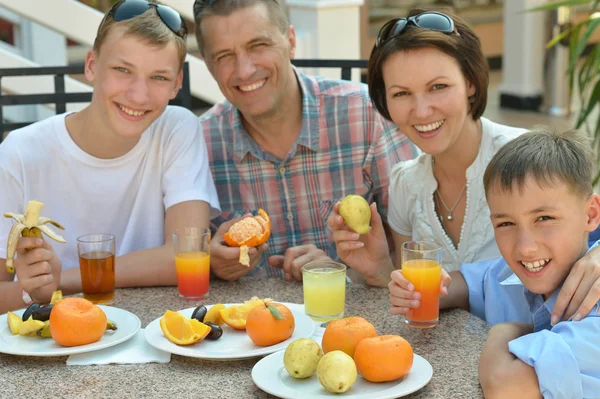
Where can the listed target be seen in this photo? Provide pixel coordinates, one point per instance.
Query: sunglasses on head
(426, 20)
(128, 9)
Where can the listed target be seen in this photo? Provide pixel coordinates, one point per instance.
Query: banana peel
(30, 224)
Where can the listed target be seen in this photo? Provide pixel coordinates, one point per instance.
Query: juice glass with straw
(422, 266)
(192, 262)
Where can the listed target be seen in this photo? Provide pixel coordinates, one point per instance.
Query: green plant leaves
(275, 312)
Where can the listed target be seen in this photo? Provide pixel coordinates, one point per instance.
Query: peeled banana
(29, 224)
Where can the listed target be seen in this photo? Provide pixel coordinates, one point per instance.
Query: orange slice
(200, 328)
(178, 329)
(235, 316)
(214, 314)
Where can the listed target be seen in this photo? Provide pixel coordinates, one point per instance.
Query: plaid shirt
(344, 147)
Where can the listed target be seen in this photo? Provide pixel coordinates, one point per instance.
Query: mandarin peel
(249, 232)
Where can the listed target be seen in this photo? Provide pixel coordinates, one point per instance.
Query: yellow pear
(301, 358)
(337, 372)
(356, 213)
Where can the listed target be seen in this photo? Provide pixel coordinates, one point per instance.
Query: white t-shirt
(412, 208)
(125, 196)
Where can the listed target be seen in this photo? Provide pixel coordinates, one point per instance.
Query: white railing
(80, 22)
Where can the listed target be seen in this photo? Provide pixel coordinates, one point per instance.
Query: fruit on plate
(215, 331)
(356, 213)
(301, 358)
(383, 358)
(30, 224)
(30, 327)
(181, 330)
(249, 232)
(336, 372)
(270, 323)
(214, 314)
(345, 334)
(199, 313)
(235, 316)
(77, 321)
(14, 322)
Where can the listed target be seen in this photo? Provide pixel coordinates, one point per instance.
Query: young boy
(127, 164)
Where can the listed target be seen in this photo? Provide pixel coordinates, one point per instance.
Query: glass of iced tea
(192, 262)
(422, 266)
(97, 267)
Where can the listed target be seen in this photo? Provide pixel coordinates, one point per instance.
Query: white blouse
(412, 209)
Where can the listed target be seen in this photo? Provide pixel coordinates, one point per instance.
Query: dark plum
(29, 311)
(199, 313)
(215, 331)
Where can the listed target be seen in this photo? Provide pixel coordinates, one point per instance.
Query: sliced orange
(235, 316)
(213, 315)
(178, 329)
(200, 328)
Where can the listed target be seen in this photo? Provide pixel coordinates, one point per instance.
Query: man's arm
(152, 266)
(501, 374)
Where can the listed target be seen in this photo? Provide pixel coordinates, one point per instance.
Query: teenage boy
(127, 164)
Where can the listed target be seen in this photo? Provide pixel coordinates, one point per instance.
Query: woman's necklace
(449, 210)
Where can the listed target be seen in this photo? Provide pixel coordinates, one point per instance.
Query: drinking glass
(97, 267)
(192, 262)
(422, 266)
(324, 284)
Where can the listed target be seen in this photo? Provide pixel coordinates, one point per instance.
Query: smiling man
(284, 141)
(128, 164)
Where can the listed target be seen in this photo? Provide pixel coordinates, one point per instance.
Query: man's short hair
(207, 8)
(148, 27)
(547, 156)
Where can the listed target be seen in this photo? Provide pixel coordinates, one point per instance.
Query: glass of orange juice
(422, 266)
(324, 284)
(97, 267)
(192, 262)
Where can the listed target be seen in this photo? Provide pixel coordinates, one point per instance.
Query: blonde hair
(148, 27)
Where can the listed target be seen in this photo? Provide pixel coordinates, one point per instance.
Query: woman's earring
(472, 99)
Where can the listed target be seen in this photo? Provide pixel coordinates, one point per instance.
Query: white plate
(270, 376)
(127, 325)
(233, 344)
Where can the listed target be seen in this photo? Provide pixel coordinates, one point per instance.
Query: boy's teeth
(429, 127)
(253, 86)
(535, 266)
(131, 112)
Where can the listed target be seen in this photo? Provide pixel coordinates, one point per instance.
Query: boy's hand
(581, 290)
(402, 293)
(39, 269)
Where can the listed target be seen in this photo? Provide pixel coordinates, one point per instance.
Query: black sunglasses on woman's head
(426, 20)
(128, 9)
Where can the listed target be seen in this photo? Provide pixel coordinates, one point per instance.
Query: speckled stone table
(452, 348)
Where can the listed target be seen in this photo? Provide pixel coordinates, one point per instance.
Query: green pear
(301, 358)
(356, 213)
(337, 372)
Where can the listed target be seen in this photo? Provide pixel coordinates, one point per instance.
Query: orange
(235, 316)
(383, 358)
(249, 232)
(265, 329)
(76, 321)
(181, 330)
(214, 314)
(345, 334)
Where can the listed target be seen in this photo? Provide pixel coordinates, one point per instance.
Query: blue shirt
(566, 357)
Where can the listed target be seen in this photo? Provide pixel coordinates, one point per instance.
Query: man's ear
(291, 37)
(593, 212)
(178, 82)
(90, 65)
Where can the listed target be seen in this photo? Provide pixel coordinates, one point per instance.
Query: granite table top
(452, 348)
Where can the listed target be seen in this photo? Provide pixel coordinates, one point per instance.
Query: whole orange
(383, 358)
(345, 334)
(264, 329)
(76, 321)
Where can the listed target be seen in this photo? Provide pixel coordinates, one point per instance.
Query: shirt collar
(309, 131)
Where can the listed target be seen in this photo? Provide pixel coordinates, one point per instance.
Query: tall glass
(324, 283)
(422, 266)
(97, 267)
(192, 262)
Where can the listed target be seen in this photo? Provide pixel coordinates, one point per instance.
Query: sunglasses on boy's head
(128, 9)
(427, 20)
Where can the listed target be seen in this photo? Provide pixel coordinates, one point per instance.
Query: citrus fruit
(383, 358)
(345, 334)
(267, 327)
(76, 321)
(214, 314)
(249, 232)
(181, 330)
(235, 316)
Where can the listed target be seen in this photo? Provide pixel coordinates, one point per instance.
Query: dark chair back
(59, 97)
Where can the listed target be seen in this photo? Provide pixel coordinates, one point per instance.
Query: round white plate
(127, 325)
(233, 344)
(270, 376)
